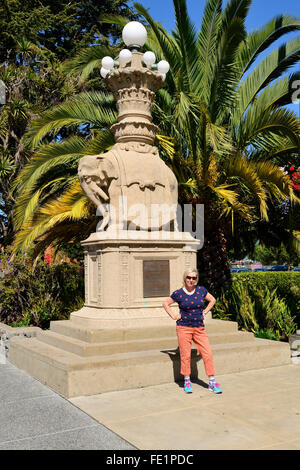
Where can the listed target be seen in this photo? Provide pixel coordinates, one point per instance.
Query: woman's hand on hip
(176, 316)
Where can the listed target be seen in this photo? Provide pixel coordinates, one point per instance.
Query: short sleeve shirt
(190, 306)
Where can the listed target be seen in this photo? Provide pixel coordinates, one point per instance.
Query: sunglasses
(191, 277)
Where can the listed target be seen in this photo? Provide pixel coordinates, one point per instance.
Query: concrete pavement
(259, 409)
(33, 417)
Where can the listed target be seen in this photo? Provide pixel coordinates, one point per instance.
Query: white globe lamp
(149, 58)
(134, 34)
(125, 56)
(107, 63)
(104, 72)
(163, 66)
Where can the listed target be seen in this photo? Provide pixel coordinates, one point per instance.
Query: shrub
(36, 294)
(262, 301)
(280, 318)
(244, 307)
(266, 334)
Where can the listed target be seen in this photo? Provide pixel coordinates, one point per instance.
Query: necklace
(187, 292)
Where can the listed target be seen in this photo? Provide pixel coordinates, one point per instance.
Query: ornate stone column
(137, 256)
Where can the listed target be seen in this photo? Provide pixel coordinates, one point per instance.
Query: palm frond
(259, 40)
(238, 167)
(225, 74)
(272, 66)
(85, 62)
(276, 150)
(72, 205)
(166, 144)
(159, 40)
(102, 141)
(276, 182)
(95, 108)
(223, 192)
(258, 127)
(186, 38)
(235, 9)
(6, 166)
(48, 156)
(207, 46)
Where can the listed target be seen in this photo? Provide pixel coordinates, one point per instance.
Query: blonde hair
(187, 271)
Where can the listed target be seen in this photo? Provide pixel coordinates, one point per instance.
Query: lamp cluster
(134, 35)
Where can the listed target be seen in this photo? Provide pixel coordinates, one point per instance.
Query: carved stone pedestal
(127, 279)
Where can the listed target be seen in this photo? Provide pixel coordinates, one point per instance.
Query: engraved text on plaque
(156, 278)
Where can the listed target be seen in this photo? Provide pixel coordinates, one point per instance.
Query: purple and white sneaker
(214, 387)
(188, 386)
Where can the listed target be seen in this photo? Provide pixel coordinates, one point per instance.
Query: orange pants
(185, 336)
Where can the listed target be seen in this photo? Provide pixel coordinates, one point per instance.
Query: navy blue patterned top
(191, 306)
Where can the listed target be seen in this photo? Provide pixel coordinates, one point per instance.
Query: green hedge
(33, 295)
(262, 302)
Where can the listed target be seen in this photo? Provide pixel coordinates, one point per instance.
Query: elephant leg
(103, 211)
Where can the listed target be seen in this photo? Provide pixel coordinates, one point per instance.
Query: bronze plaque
(156, 277)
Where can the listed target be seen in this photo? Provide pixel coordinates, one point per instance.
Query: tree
(31, 86)
(35, 36)
(63, 27)
(274, 255)
(224, 113)
(229, 110)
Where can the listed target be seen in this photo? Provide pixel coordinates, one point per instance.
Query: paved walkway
(258, 410)
(33, 417)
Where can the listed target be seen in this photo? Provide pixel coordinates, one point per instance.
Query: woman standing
(190, 327)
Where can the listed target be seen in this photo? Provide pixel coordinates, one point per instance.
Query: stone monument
(122, 338)
(137, 255)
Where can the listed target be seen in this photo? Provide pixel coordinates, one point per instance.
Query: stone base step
(72, 375)
(90, 335)
(86, 349)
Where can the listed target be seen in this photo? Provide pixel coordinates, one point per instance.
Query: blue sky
(261, 11)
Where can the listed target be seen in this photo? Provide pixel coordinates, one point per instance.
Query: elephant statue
(132, 188)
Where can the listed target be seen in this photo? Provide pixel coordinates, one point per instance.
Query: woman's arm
(211, 302)
(167, 304)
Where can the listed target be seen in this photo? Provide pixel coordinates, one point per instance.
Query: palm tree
(51, 208)
(224, 111)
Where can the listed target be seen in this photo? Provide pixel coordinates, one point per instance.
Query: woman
(190, 326)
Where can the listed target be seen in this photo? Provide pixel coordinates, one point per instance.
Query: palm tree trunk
(212, 260)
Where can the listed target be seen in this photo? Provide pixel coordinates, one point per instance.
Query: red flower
(48, 255)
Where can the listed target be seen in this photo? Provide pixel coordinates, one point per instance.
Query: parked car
(283, 267)
(297, 268)
(260, 269)
(241, 269)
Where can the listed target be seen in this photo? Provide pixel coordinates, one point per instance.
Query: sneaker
(214, 387)
(188, 386)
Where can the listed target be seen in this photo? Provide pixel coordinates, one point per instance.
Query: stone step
(89, 335)
(83, 348)
(71, 375)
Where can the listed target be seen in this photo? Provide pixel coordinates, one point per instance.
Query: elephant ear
(107, 168)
